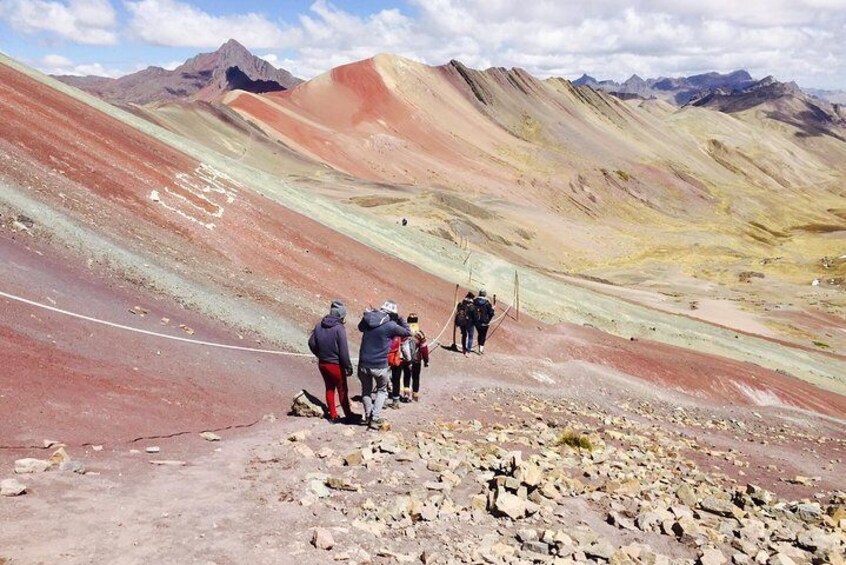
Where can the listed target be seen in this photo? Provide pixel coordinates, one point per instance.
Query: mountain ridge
(205, 76)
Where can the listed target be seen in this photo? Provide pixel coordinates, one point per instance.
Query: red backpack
(394, 354)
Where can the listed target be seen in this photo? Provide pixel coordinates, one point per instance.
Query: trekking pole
(454, 305)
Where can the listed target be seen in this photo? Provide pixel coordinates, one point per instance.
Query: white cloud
(608, 38)
(55, 64)
(270, 58)
(178, 24)
(792, 39)
(81, 21)
(54, 60)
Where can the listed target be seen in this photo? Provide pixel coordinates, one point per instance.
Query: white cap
(390, 307)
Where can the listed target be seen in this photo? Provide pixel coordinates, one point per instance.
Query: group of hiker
(394, 351)
(473, 316)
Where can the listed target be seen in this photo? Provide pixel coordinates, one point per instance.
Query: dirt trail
(241, 499)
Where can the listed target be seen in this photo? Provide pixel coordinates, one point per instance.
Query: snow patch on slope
(758, 396)
(206, 184)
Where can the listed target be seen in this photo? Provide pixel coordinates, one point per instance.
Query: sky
(800, 40)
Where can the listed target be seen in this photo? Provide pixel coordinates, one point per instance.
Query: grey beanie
(337, 309)
(483, 292)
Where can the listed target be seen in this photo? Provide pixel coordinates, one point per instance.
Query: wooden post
(517, 292)
(454, 304)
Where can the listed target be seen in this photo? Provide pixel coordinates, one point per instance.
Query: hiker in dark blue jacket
(329, 344)
(484, 315)
(378, 327)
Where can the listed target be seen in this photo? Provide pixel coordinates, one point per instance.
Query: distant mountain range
(678, 91)
(209, 76)
(204, 77)
(682, 90)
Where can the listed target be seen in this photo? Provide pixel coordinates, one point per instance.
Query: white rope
(436, 342)
(501, 316)
(147, 332)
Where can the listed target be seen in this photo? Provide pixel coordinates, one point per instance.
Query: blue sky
(800, 40)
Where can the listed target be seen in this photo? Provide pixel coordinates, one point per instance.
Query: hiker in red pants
(329, 344)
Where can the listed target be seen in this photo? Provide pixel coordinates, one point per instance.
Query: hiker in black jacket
(484, 315)
(465, 319)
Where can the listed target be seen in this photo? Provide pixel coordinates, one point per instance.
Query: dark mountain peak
(206, 76)
(740, 74)
(766, 81)
(585, 79)
(634, 80)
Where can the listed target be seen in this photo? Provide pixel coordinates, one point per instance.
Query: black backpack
(483, 312)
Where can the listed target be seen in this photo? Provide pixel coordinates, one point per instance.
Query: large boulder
(510, 505)
(306, 405)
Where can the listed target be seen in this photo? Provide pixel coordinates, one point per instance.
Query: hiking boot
(394, 404)
(405, 400)
(335, 419)
(416, 397)
(481, 350)
(377, 423)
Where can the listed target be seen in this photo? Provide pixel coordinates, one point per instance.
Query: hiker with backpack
(378, 328)
(484, 315)
(419, 357)
(465, 319)
(399, 360)
(328, 342)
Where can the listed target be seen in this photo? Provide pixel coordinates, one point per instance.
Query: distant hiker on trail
(465, 319)
(484, 315)
(419, 355)
(329, 344)
(378, 327)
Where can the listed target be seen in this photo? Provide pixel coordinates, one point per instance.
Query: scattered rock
(168, 462)
(152, 449)
(711, 556)
(59, 456)
(72, 467)
(510, 505)
(780, 559)
(687, 496)
(322, 539)
(306, 406)
(718, 506)
(600, 549)
(29, 465)
(210, 436)
(353, 459)
(336, 483)
(299, 435)
(319, 488)
(12, 487)
(809, 512)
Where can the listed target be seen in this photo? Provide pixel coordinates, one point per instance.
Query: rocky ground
(584, 467)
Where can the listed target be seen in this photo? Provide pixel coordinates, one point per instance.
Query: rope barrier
(148, 332)
(434, 344)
